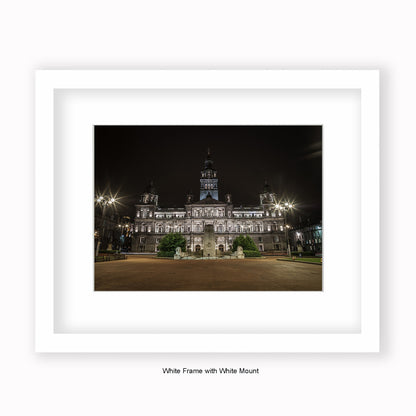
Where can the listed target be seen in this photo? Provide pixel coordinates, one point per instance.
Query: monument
(178, 253)
(209, 251)
(209, 241)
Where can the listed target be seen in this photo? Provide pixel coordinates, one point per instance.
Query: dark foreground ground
(150, 273)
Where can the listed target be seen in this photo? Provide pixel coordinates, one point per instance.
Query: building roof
(209, 163)
(209, 200)
(150, 188)
(266, 188)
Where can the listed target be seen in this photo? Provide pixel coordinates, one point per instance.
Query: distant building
(264, 222)
(306, 237)
(111, 231)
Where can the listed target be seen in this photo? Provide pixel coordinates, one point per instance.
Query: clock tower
(209, 180)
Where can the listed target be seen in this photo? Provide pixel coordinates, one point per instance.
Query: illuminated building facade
(264, 223)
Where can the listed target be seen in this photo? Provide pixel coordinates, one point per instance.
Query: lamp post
(104, 202)
(285, 207)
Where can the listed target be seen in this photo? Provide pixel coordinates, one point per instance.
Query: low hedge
(251, 253)
(303, 253)
(108, 251)
(165, 254)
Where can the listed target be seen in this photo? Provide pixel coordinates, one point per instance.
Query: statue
(240, 253)
(178, 254)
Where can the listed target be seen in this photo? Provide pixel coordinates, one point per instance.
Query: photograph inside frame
(208, 208)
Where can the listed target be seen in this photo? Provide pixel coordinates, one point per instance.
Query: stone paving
(151, 273)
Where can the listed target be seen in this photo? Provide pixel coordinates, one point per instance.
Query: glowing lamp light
(290, 205)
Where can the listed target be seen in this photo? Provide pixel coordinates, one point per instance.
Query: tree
(246, 242)
(172, 240)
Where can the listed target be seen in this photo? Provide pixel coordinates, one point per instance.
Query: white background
(78, 309)
(215, 34)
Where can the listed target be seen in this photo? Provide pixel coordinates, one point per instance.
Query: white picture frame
(71, 317)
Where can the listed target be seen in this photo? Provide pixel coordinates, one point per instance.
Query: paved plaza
(151, 273)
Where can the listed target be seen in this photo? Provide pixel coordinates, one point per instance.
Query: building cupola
(209, 180)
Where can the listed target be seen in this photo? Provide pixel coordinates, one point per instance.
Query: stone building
(264, 223)
(306, 237)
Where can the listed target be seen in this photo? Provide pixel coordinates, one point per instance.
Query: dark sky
(290, 157)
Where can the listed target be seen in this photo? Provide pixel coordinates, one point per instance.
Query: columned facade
(263, 223)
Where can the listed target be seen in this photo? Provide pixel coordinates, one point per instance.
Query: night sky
(289, 157)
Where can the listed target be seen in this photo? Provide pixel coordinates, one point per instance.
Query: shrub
(246, 242)
(251, 253)
(165, 254)
(303, 253)
(172, 240)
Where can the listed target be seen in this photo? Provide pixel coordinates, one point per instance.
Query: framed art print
(207, 211)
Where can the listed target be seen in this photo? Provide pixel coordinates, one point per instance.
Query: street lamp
(285, 207)
(103, 202)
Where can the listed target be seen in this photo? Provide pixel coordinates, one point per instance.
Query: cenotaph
(209, 241)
